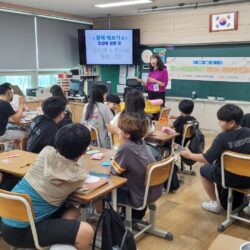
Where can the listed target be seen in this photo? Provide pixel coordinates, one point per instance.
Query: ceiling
(86, 8)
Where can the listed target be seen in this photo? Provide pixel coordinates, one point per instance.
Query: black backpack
(196, 143)
(114, 233)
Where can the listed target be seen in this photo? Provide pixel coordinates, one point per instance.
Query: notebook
(91, 183)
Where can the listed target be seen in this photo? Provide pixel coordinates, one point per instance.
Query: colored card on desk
(92, 152)
(97, 156)
(106, 164)
(101, 175)
(12, 155)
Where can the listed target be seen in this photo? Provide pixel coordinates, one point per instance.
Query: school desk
(16, 162)
(20, 165)
(96, 166)
(225, 242)
(159, 136)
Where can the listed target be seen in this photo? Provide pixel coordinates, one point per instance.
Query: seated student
(186, 108)
(44, 127)
(56, 90)
(97, 114)
(132, 159)
(10, 131)
(245, 122)
(54, 175)
(113, 103)
(134, 104)
(232, 138)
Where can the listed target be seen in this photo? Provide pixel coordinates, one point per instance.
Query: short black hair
(114, 99)
(53, 106)
(186, 106)
(230, 112)
(4, 88)
(72, 140)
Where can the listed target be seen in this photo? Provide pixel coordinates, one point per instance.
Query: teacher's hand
(150, 79)
(140, 80)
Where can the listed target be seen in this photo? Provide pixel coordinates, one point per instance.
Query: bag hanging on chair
(114, 234)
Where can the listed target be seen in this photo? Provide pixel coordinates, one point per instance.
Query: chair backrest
(114, 136)
(157, 173)
(188, 132)
(235, 163)
(116, 141)
(95, 135)
(13, 205)
(19, 207)
(164, 113)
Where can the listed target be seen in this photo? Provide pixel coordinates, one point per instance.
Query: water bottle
(193, 95)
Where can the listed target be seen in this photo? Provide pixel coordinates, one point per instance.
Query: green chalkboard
(229, 90)
(184, 88)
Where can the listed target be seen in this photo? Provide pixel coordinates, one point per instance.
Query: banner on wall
(227, 69)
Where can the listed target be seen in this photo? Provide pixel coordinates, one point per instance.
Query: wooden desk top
(158, 135)
(226, 242)
(20, 165)
(96, 166)
(16, 165)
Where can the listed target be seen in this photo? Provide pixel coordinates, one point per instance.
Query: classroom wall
(183, 26)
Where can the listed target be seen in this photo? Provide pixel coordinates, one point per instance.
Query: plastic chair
(157, 174)
(95, 135)
(238, 164)
(164, 114)
(188, 133)
(19, 207)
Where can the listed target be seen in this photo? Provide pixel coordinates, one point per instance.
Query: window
(47, 80)
(23, 81)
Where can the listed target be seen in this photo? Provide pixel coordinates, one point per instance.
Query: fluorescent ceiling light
(123, 3)
(45, 16)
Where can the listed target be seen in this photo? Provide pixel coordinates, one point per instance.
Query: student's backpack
(196, 143)
(114, 234)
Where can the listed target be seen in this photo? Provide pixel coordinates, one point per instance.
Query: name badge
(156, 87)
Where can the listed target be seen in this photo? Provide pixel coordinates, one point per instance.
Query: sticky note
(92, 152)
(106, 163)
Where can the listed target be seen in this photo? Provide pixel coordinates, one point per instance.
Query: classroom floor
(180, 213)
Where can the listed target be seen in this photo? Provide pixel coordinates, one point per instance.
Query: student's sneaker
(246, 210)
(212, 206)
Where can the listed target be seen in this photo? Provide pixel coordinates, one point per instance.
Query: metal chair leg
(151, 227)
(229, 220)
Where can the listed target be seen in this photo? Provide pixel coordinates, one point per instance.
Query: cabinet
(76, 109)
(33, 104)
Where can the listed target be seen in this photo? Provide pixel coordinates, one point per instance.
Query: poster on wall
(227, 69)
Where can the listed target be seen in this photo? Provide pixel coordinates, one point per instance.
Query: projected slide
(109, 46)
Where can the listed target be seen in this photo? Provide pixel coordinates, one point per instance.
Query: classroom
(125, 124)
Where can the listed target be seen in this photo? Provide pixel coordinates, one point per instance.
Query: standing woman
(157, 79)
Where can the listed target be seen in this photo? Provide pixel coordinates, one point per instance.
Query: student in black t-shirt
(186, 108)
(245, 122)
(44, 127)
(232, 138)
(7, 113)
